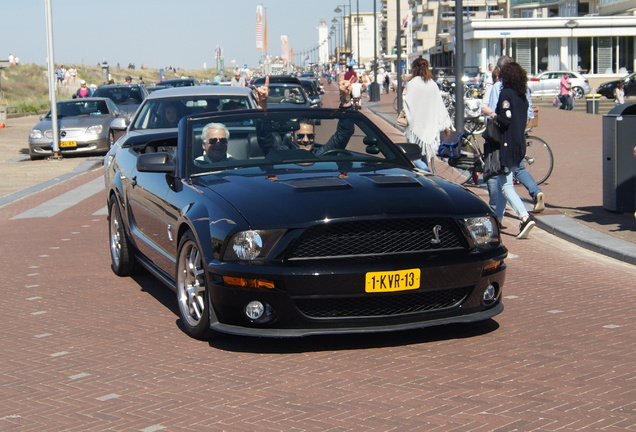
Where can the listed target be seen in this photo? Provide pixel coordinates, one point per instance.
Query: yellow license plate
(399, 280)
(66, 144)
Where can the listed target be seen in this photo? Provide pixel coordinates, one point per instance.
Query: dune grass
(25, 88)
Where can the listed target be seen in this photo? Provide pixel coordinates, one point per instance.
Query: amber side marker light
(491, 268)
(248, 283)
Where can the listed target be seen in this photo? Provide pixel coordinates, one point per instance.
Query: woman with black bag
(511, 116)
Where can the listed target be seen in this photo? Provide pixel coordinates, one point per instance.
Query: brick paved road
(84, 350)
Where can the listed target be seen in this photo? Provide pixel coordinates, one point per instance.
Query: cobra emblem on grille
(436, 230)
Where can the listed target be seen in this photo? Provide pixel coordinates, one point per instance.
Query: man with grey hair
(215, 137)
(524, 177)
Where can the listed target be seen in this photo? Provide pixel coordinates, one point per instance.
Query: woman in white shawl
(425, 111)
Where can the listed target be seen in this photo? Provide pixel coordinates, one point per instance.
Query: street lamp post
(571, 24)
(341, 11)
(358, 29)
(374, 95)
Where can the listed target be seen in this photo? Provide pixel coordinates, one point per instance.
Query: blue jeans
(506, 194)
(421, 164)
(524, 177)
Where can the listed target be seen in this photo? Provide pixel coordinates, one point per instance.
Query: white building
(596, 37)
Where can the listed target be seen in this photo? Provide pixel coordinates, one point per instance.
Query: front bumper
(332, 300)
(44, 147)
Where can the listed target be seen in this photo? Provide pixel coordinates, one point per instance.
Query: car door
(152, 217)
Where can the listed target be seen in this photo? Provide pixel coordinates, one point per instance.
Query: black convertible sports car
(293, 222)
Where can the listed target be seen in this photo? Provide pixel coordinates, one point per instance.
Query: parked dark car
(274, 240)
(285, 90)
(127, 97)
(83, 125)
(314, 92)
(607, 89)
(179, 82)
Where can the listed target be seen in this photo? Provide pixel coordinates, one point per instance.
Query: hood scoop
(393, 180)
(323, 183)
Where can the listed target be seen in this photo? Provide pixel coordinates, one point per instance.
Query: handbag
(493, 133)
(492, 164)
(401, 119)
(450, 146)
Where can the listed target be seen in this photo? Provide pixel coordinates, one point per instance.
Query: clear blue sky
(159, 32)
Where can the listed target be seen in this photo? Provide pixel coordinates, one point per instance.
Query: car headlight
(483, 230)
(97, 129)
(36, 134)
(252, 244)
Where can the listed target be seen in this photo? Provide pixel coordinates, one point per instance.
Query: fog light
(254, 310)
(490, 294)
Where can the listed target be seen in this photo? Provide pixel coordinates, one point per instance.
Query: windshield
(166, 113)
(121, 95)
(305, 138)
(80, 107)
(286, 93)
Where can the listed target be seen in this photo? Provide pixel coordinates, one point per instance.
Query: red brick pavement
(84, 350)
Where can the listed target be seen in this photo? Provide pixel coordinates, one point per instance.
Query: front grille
(381, 305)
(377, 237)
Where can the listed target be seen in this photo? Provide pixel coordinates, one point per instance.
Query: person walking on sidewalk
(567, 103)
(511, 115)
(425, 112)
(619, 94)
(521, 173)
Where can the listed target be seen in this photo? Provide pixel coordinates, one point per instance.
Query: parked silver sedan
(548, 84)
(84, 128)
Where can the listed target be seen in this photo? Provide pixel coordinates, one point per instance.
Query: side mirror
(412, 151)
(156, 162)
(118, 123)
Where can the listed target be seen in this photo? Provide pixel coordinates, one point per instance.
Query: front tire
(121, 250)
(192, 291)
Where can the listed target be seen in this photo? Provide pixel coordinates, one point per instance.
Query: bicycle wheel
(395, 104)
(539, 160)
(459, 170)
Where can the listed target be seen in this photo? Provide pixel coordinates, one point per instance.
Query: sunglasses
(309, 136)
(217, 140)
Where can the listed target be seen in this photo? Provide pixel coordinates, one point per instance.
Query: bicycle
(539, 160)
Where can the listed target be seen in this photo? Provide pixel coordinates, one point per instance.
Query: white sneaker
(525, 228)
(539, 204)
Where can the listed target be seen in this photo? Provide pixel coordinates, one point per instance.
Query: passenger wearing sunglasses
(215, 137)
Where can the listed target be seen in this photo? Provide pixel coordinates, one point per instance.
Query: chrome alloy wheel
(115, 239)
(191, 284)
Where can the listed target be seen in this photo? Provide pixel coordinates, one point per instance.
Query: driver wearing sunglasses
(304, 137)
(215, 137)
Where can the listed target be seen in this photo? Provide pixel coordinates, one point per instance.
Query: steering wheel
(336, 152)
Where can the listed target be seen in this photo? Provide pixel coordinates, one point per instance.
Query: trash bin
(591, 103)
(619, 172)
(374, 92)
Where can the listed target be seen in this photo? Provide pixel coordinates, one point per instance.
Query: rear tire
(578, 92)
(539, 160)
(121, 250)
